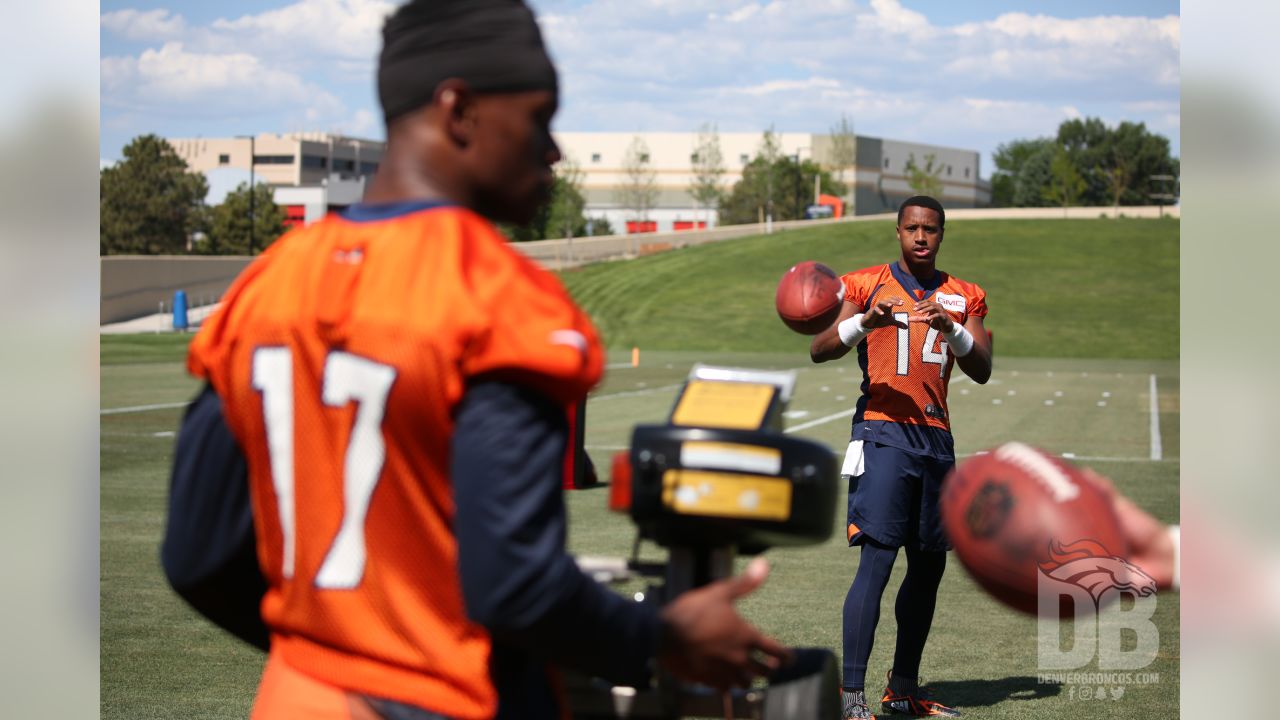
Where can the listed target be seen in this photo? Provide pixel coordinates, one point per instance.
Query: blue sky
(967, 74)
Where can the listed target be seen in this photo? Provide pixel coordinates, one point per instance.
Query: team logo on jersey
(934, 411)
(954, 303)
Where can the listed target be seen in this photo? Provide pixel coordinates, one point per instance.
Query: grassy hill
(1057, 288)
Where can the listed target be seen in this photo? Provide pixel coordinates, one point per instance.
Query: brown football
(1015, 512)
(808, 298)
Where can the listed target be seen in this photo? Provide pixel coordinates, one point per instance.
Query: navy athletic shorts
(895, 499)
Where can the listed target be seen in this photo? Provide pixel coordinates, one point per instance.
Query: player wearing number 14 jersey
(910, 323)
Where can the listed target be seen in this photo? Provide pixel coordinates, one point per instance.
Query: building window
(595, 157)
(744, 159)
(948, 171)
(272, 159)
(368, 168)
(224, 159)
(315, 162)
(344, 165)
(966, 172)
(886, 163)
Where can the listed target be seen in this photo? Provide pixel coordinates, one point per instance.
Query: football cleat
(854, 705)
(914, 702)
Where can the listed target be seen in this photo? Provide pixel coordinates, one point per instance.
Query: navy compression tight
(913, 610)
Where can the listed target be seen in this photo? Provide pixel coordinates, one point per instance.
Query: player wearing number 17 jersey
(910, 323)
(369, 484)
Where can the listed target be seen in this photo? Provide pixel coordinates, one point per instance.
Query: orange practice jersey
(906, 370)
(340, 355)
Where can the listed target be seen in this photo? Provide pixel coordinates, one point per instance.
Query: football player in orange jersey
(369, 484)
(909, 322)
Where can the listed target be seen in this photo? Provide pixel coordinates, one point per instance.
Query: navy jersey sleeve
(517, 579)
(209, 554)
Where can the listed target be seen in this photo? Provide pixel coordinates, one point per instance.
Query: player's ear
(456, 102)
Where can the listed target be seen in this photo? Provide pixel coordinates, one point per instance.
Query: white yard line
(631, 393)
(141, 408)
(1157, 452)
(820, 421)
(1103, 458)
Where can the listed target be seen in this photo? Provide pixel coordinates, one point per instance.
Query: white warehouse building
(880, 171)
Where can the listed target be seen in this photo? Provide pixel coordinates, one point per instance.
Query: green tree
(925, 180)
(844, 154)
(600, 226)
(1088, 142)
(638, 192)
(1010, 158)
(564, 212)
(1138, 154)
(770, 148)
(149, 203)
(561, 216)
(789, 182)
(1118, 177)
(708, 169)
(1066, 186)
(1034, 177)
(240, 216)
(1115, 164)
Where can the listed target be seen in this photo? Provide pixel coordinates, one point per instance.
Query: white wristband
(851, 330)
(959, 340)
(1175, 534)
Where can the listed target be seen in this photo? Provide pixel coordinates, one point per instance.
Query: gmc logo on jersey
(954, 303)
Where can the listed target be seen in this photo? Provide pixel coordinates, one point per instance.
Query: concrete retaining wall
(557, 254)
(133, 286)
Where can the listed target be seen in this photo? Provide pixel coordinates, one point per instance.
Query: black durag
(492, 45)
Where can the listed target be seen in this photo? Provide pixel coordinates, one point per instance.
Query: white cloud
(776, 86)
(1038, 50)
(743, 13)
(891, 16)
(158, 24)
(365, 123)
(174, 78)
(319, 28)
(1106, 31)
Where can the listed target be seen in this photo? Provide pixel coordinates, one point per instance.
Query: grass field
(159, 660)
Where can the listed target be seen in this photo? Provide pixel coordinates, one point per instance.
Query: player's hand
(881, 314)
(928, 311)
(706, 641)
(1150, 547)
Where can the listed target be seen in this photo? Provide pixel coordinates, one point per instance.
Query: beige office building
(312, 173)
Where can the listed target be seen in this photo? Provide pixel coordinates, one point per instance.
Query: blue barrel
(180, 310)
